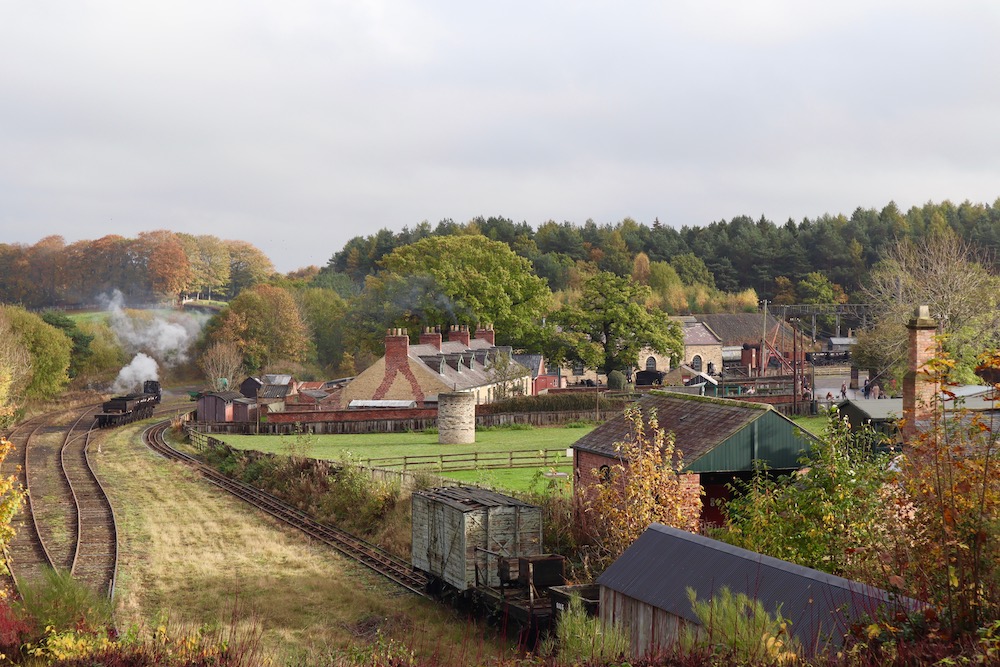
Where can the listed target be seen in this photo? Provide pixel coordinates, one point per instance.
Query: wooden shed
(645, 591)
(460, 535)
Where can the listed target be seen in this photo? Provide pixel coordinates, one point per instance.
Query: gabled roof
(273, 391)
(699, 333)
(711, 433)
(533, 362)
(699, 423)
(742, 328)
(663, 563)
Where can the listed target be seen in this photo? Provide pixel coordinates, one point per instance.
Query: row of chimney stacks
(397, 341)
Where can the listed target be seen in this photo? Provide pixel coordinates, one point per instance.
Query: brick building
(720, 440)
(420, 372)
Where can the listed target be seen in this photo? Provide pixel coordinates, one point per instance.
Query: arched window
(696, 362)
(651, 364)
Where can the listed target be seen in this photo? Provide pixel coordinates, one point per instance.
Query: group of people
(873, 390)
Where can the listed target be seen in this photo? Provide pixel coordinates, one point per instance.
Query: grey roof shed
(659, 567)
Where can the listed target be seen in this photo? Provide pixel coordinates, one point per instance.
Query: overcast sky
(297, 124)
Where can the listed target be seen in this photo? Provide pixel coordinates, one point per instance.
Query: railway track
(378, 560)
(28, 558)
(95, 557)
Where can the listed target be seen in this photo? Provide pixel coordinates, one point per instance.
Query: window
(552, 369)
(604, 472)
(577, 368)
(696, 362)
(651, 364)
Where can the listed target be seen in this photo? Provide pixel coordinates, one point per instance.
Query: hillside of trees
(558, 289)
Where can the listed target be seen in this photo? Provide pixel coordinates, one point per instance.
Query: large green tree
(615, 324)
(467, 279)
(49, 350)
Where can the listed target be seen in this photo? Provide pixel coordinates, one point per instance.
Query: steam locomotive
(126, 409)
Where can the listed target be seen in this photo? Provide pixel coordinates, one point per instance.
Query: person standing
(843, 391)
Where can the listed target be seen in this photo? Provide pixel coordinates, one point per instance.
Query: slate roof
(699, 333)
(658, 568)
(458, 366)
(533, 362)
(273, 391)
(700, 423)
(741, 328)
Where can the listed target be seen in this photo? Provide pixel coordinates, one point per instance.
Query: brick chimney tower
(459, 334)
(431, 337)
(920, 392)
(397, 347)
(485, 332)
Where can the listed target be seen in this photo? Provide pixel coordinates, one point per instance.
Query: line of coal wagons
(120, 410)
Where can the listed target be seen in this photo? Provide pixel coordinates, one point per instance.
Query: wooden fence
(406, 425)
(521, 458)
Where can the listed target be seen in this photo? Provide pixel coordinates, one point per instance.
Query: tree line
(729, 255)
(153, 266)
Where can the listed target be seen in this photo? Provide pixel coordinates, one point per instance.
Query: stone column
(456, 418)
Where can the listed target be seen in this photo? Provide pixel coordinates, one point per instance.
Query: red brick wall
(306, 416)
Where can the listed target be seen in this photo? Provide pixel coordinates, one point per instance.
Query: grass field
(193, 556)
(360, 448)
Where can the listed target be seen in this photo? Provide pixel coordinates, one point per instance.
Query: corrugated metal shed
(659, 567)
(714, 434)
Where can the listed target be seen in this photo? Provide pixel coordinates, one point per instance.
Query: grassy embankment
(392, 445)
(196, 556)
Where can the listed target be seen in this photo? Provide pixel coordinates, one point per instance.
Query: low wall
(389, 421)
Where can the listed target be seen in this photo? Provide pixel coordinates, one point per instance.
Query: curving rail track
(95, 556)
(380, 561)
(28, 558)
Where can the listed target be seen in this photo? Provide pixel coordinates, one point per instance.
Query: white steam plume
(163, 339)
(142, 367)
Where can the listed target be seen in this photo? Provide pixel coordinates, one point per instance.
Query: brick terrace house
(420, 372)
(720, 440)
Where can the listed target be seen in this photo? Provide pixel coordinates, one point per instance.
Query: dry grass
(194, 554)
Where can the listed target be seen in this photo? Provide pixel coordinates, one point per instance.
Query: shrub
(616, 380)
(740, 629)
(581, 638)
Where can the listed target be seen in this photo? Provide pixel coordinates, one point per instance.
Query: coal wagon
(120, 410)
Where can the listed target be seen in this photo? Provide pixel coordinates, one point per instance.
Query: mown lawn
(385, 445)
(360, 448)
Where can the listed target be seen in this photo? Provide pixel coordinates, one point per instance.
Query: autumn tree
(248, 266)
(165, 262)
(646, 485)
(616, 324)
(222, 363)
(209, 259)
(264, 322)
